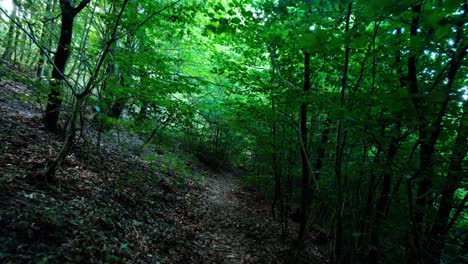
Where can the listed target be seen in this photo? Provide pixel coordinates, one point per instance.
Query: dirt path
(137, 219)
(235, 226)
(224, 232)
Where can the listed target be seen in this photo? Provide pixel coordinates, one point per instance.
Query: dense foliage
(349, 115)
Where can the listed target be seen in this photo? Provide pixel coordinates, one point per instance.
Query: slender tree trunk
(440, 228)
(369, 208)
(274, 160)
(306, 192)
(60, 60)
(435, 242)
(414, 256)
(339, 250)
(119, 100)
(276, 168)
(384, 201)
(429, 132)
(21, 46)
(321, 148)
(115, 111)
(15, 45)
(46, 38)
(69, 137)
(8, 42)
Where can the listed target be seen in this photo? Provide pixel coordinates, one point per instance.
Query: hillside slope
(120, 206)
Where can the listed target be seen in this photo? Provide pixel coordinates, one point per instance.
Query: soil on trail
(238, 227)
(119, 204)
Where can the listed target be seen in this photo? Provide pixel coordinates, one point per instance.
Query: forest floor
(118, 204)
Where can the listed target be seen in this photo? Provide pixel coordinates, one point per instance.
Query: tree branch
(34, 40)
(80, 7)
(109, 43)
(50, 19)
(458, 212)
(146, 20)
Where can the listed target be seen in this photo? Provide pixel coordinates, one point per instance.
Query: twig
(458, 212)
(146, 20)
(33, 38)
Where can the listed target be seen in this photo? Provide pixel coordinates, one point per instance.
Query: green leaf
(124, 246)
(441, 32)
(359, 41)
(318, 41)
(235, 20)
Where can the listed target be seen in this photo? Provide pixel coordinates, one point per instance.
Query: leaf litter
(115, 208)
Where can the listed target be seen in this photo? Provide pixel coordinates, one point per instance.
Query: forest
(234, 131)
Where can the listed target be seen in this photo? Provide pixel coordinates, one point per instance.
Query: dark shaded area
(116, 208)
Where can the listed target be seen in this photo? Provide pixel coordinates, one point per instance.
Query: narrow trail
(236, 226)
(227, 237)
(121, 206)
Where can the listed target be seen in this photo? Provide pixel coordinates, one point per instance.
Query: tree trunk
(429, 132)
(6, 56)
(80, 97)
(45, 38)
(69, 137)
(435, 241)
(339, 247)
(384, 201)
(321, 148)
(15, 45)
(440, 228)
(60, 60)
(306, 192)
(275, 161)
(276, 168)
(115, 111)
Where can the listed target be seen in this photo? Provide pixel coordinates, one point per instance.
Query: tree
(306, 190)
(362, 100)
(45, 38)
(8, 41)
(68, 14)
